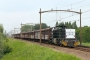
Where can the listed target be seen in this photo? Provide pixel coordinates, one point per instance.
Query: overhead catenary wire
(72, 8)
(69, 5)
(74, 3)
(69, 16)
(59, 15)
(84, 18)
(62, 18)
(74, 15)
(81, 6)
(86, 11)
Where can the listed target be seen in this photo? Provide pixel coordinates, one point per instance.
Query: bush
(7, 49)
(4, 48)
(1, 49)
(1, 53)
(85, 34)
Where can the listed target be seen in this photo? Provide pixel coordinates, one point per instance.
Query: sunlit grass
(27, 51)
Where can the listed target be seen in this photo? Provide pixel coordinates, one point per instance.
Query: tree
(85, 34)
(56, 23)
(44, 25)
(60, 24)
(37, 26)
(78, 33)
(71, 25)
(4, 48)
(67, 24)
(74, 25)
(1, 28)
(27, 28)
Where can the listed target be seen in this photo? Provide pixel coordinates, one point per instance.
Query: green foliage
(7, 49)
(4, 48)
(28, 51)
(85, 34)
(1, 42)
(27, 28)
(74, 25)
(1, 47)
(60, 24)
(78, 33)
(56, 23)
(86, 44)
(37, 26)
(68, 24)
(44, 25)
(1, 28)
(1, 52)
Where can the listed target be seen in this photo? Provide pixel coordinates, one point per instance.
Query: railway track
(83, 48)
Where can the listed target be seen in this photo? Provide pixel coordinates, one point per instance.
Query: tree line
(85, 34)
(27, 28)
(67, 24)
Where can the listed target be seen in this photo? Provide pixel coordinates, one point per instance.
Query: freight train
(58, 35)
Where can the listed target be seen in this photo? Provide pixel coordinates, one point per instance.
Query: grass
(86, 44)
(28, 51)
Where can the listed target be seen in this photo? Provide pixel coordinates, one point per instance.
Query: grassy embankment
(86, 44)
(28, 51)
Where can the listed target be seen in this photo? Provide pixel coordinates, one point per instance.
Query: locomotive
(64, 36)
(58, 35)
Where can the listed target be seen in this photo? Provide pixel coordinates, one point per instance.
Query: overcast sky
(15, 12)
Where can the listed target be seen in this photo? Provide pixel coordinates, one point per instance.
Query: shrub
(1, 49)
(1, 53)
(7, 49)
(4, 48)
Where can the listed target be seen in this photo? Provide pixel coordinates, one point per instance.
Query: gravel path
(81, 54)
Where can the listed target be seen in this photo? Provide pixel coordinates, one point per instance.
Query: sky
(15, 12)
